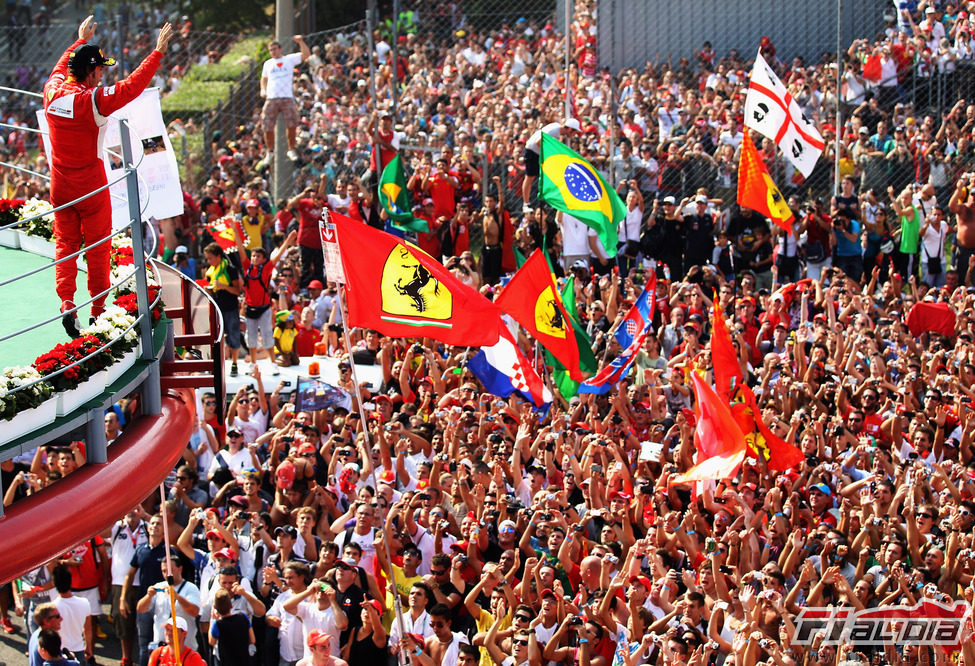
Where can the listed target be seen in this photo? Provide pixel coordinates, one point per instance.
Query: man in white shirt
(127, 535)
(575, 241)
(318, 608)
(75, 614)
(277, 90)
(290, 633)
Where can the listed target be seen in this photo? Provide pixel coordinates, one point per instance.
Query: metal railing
(143, 320)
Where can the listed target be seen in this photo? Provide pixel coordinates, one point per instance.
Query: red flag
(716, 468)
(727, 370)
(872, 68)
(937, 317)
(778, 453)
(397, 289)
(757, 191)
(532, 298)
(789, 291)
(719, 441)
(222, 231)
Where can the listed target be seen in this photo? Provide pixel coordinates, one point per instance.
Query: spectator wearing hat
(188, 656)
(157, 602)
(319, 650)
(310, 204)
(185, 263)
(225, 286)
(699, 233)
(575, 243)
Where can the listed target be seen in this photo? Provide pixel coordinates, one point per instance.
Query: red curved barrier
(42, 526)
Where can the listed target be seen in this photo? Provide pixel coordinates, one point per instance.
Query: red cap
(286, 475)
(318, 637)
(252, 203)
(766, 41)
(315, 284)
(213, 534)
(306, 447)
(227, 553)
(547, 593)
(642, 580)
(374, 604)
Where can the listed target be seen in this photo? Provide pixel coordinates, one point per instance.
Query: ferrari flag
(570, 184)
(394, 199)
(771, 111)
(532, 298)
(397, 289)
(756, 189)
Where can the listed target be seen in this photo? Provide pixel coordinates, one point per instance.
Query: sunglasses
(234, 435)
(520, 641)
(209, 402)
(523, 618)
(437, 572)
(438, 624)
(925, 515)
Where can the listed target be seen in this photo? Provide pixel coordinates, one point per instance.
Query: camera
(578, 528)
(244, 515)
(646, 488)
(575, 621)
(424, 497)
(417, 349)
(388, 428)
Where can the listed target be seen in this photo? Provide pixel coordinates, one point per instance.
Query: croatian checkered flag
(772, 112)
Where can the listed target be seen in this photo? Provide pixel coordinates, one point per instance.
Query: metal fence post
(151, 393)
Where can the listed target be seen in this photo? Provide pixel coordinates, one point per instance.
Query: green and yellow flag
(572, 185)
(395, 200)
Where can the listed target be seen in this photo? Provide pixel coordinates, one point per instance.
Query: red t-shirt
(306, 340)
(256, 282)
(309, 213)
(442, 193)
(430, 242)
(89, 574)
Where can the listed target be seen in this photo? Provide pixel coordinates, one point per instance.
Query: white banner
(160, 192)
(334, 272)
(771, 111)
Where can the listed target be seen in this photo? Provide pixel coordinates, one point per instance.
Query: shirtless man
(491, 258)
(962, 205)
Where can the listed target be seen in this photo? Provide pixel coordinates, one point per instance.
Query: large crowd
(452, 526)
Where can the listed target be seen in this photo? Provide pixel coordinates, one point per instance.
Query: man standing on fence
(77, 110)
(277, 88)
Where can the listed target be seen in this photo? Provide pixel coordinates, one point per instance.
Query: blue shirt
(844, 246)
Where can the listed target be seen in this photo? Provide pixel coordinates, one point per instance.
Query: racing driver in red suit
(77, 111)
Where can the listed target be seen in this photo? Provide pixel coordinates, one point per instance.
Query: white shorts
(92, 597)
(263, 325)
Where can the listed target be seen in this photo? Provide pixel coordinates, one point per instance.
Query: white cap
(180, 623)
(572, 123)
(181, 249)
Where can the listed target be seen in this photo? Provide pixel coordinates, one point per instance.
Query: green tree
(230, 15)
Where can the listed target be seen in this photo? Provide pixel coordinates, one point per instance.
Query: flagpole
(397, 605)
(568, 55)
(169, 574)
(839, 113)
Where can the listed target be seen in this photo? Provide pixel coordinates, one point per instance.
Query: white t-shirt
(161, 610)
(534, 142)
(933, 240)
(312, 618)
(629, 226)
(279, 74)
(290, 634)
(74, 611)
(365, 542)
(575, 236)
(124, 543)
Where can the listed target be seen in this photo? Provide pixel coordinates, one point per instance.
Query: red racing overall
(76, 117)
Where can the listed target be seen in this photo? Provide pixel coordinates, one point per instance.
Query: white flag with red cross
(771, 111)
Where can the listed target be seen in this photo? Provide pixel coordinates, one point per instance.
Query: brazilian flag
(395, 201)
(570, 184)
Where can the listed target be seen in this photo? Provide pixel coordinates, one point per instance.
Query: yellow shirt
(285, 339)
(484, 622)
(252, 227)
